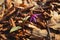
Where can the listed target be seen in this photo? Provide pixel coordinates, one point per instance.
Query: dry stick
(1, 13)
(48, 30)
(8, 14)
(12, 22)
(28, 8)
(3, 36)
(41, 9)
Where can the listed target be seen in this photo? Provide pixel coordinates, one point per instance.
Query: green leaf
(26, 18)
(15, 28)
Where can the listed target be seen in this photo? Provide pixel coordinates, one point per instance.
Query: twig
(8, 14)
(12, 22)
(48, 30)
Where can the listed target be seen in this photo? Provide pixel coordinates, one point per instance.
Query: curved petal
(31, 19)
(34, 19)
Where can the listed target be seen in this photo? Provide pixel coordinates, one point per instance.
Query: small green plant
(15, 28)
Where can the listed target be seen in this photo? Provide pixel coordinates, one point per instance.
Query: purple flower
(33, 17)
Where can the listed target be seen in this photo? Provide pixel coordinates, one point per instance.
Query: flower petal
(34, 19)
(31, 19)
